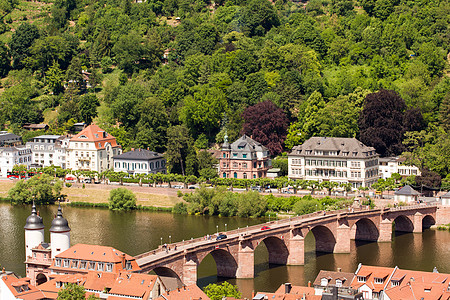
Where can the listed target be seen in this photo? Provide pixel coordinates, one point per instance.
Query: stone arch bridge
(234, 256)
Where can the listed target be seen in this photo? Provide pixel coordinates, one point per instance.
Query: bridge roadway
(234, 256)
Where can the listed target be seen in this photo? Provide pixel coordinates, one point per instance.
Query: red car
(265, 227)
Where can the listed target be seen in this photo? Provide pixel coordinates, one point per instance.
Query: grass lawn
(99, 194)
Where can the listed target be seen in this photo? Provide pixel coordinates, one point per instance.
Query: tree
(267, 124)
(445, 112)
(88, 107)
(72, 291)
(381, 122)
(121, 199)
(55, 78)
(258, 17)
(178, 148)
(4, 61)
(21, 41)
(40, 187)
(218, 291)
(428, 179)
(206, 163)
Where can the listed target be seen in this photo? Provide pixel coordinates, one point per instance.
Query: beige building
(343, 160)
(92, 149)
(391, 165)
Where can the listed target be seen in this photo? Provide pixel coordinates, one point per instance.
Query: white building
(343, 160)
(140, 161)
(48, 150)
(406, 194)
(391, 165)
(92, 149)
(11, 156)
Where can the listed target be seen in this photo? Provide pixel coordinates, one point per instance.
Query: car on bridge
(221, 237)
(265, 227)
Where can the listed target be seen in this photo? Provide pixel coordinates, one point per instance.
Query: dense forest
(176, 76)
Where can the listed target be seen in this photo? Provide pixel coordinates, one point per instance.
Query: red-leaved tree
(267, 124)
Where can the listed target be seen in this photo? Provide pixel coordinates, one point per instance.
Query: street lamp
(161, 241)
(170, 239)
(225, 227)
(217, 229)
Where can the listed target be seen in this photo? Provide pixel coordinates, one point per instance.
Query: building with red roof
(92, 149)
(12, 287)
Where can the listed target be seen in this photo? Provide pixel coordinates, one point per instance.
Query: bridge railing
(281, 222)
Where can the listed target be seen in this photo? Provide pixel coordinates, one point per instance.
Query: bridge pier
(296, 248)
(385, 231)
(246, 263)
(189, 272)
(343, 237)
(417, 222)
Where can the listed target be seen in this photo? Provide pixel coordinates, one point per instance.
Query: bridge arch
(366, 230)
(403, 224)
(41, 278)
(277, 249)
(225, 263)
(325, 240)
(166, 272)
(428, 221)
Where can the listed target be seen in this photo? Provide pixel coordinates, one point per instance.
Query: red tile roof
(134, 284)
(21, 287)
(95, 134)
(191, 292)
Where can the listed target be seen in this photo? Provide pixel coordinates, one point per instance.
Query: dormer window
(128, 265)
(66, 263)
(109, 267)
(323, 282)
(338, 282)
(58, 262)
(395, 283)
(354, 153)
(92, 265)
(379, 280)
(361, 279)
(83, 137)
(83, 264)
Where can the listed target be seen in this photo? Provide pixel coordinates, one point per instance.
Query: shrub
(180, 208)
(68, 184)
(122, 199)
(307, 206)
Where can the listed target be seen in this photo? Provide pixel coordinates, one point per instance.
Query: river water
(138, 232)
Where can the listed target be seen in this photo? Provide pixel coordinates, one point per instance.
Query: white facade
(391, 165)
(140, 161)
(59, 242)
(33, 238)
(343, 160)
(48, 150)
(92, 149)
(5, 292)
(9, 157)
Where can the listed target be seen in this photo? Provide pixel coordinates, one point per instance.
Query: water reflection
(137, 232)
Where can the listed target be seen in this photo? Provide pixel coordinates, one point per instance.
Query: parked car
(87, 180)
(221, 237)
(265, 227)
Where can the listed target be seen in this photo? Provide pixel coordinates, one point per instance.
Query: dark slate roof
(34, 221)
(139, 154)
(9, 137)
(407, 191)
(332, 276)
(339, 145)
(247, 144)
(59, 224)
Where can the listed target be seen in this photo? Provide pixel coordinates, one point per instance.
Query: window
(74, 264)
(109, 267)
(66, 263)
(224, 175)
(323, 282)
(244, 165)
(244, 155)
(34, 254)
(395, 283)
(128, 265)
(235, 165)
(379, 280)
(92, 265)
(338, 282)
(224, 155)
(245, 175)
(361, 279)
(235, 175)
(100, 266)
(234, 154)
(83, 264)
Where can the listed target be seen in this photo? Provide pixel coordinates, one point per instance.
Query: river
(137, 232)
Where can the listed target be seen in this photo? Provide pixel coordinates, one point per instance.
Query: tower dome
(59, 223)
(34, 221)
(59, 234)
(226, 146)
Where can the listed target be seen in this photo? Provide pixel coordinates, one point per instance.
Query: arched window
(245, 175)
(224, 175)
(235, 175)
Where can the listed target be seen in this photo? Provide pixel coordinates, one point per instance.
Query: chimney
(309, 283)
(123, 260)
(339, 269)
(287, 288)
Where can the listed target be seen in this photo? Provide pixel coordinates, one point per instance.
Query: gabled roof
(21, 287)
(98, 281)
(191, 292)
(332, 276)
(9, 136)
(351, 146)
(95, 134)
(446, 195)
(134, 284)
(247, 144)
(94, 253)
(139, 154)
(407, 190)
